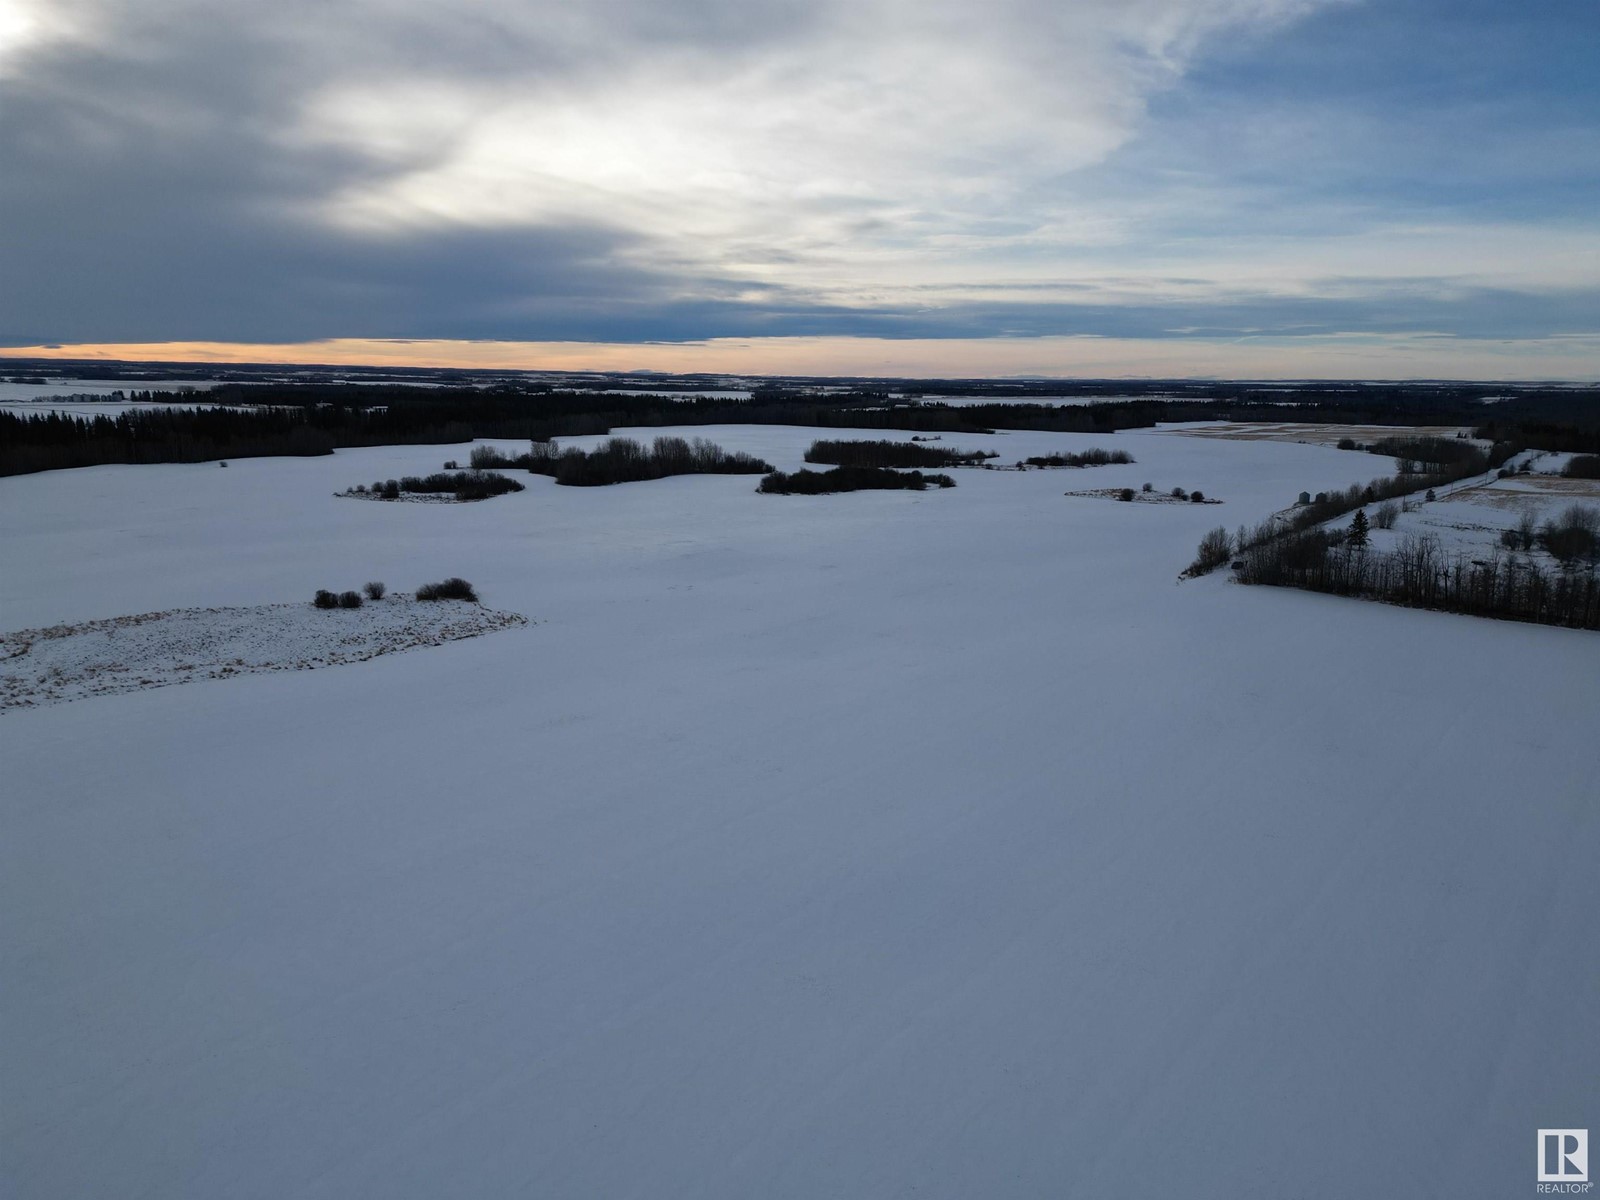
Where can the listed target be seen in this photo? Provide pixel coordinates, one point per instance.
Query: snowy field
(1065, 400)
(1315, 433)
(870, 845)
(24, 398)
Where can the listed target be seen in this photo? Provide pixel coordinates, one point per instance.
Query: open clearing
(868, 845)
(1315, 434)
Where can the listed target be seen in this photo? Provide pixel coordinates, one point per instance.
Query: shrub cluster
(1216, 548)
(849, 479)
(1385, 515)
(1573, 540)
(892, 454)
(623, 460)
(327, 599)
(463, 485)
(1094, 457)
(453, 588)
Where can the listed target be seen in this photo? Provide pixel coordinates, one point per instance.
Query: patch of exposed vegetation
(462, 486)
(1094, 457)
(849, 479)
(892, 454)
(454, 588)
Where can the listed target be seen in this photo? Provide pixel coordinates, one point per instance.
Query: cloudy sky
(1111, 187)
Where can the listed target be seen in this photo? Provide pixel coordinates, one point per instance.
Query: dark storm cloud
(152, 196)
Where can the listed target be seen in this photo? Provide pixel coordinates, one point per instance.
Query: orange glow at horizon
(1082, 356)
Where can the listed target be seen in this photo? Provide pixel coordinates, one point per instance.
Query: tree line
(892, 454)
(315, 418)
(1093, 457)
(623, 460)
(849, 479)
(1419, 574)
(465, 486)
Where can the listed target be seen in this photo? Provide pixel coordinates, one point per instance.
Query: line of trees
(44, 442)
(463, 485)
(1419, 574)
(1427, 455)
(892, 454)
(623, 460)
(1093, 457)
(1325, 506)
(315, 417)
(849, 479)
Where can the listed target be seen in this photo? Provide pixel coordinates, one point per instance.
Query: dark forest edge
(313, 419)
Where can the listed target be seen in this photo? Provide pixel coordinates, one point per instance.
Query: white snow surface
(871, 845)
(124, 654)
(36, 397)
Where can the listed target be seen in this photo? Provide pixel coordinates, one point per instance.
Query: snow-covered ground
(1063, 400)
(1314, 433)
(868, 845)
(91, 396)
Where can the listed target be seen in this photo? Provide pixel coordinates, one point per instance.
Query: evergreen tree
(1358, 530)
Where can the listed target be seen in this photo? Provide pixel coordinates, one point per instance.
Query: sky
(1265, 188)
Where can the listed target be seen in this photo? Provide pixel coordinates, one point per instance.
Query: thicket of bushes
(849, 479)
(1573, 539)
(463, 485)
(623, 460)
(327, 599)
(892, 454)
(454, 588)
(1094, 457)
(1215, 549)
